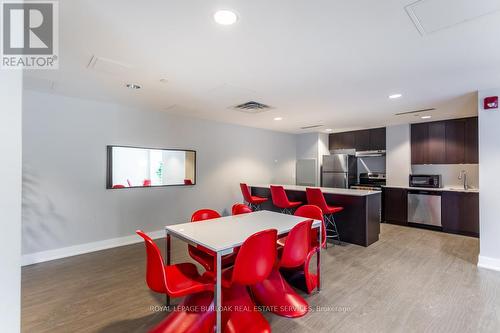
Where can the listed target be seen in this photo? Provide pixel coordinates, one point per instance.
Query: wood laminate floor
(412, 280)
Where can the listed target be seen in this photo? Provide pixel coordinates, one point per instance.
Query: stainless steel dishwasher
(424, 207)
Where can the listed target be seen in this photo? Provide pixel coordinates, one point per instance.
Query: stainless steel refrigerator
(339, 171)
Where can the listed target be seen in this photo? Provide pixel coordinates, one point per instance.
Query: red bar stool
(275, 292)
(239, 209)
(177, 281)
(253, 265)
(253, 201)
(316, 197)
(203, 255)
(281, 201)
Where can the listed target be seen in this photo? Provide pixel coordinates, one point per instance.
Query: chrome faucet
(463, 175)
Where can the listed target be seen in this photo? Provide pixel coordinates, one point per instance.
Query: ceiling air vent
(310, 127)
(416, 111)
(252, 107)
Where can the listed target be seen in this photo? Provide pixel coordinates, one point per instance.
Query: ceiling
(328, 62)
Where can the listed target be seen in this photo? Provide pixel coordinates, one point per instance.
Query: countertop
(329, 190)
(442, 189)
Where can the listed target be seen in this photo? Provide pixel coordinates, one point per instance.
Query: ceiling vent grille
(310, 127)
(413, 112)
(252, 107)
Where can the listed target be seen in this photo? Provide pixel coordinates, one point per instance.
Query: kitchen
(428, 172)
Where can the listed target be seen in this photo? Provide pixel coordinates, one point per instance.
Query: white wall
(398, 158)
(64, 196)
(307, 145)
(489, 183)
(313, 146)
(10, 200)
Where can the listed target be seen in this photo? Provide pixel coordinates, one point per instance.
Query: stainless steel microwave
(430, 181)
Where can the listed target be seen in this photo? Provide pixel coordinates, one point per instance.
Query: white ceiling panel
(433, 15)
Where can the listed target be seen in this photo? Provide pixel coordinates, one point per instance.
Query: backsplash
(450, 173)
(371, 164)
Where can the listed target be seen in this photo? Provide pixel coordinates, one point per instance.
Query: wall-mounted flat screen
(146, 167)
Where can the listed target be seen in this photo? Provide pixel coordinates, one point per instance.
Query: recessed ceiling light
(133, 86)
(426, 117)
(278, 118)
(328, 130)
(225, 17)
(395, 96)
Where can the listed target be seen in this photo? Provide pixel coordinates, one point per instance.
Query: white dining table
(222, 235)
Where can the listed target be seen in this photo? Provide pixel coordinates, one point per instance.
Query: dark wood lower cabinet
(459, 210)
(460, 213)
(395, 205)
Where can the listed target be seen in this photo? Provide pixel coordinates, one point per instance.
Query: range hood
(370, 153)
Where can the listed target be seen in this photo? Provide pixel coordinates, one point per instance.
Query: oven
(372, 181)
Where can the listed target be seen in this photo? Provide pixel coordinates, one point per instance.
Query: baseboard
(488, 263)
(38, 257)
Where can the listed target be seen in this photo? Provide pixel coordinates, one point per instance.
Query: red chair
(239, 209)
(177, 281)
(275, 292)
(203, 255)
(174, 280)
(118, 186)
(188, 182)
(281, 201)
(302, 276)
(316, 197)
(146, 182)
(253, 201)
(253, 265)
(314, 213)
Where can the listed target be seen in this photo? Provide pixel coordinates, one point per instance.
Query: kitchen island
(358, 223)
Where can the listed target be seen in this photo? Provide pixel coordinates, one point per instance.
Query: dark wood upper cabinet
(445, 142)
(362, 140)
(437, 142)
(370, 139)
(377, 139)
(344, 140)
(471, 141)
(455, 141)
(419, 143)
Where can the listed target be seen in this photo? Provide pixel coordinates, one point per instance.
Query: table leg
(318, 258)
(167, 257)
(218, 292)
